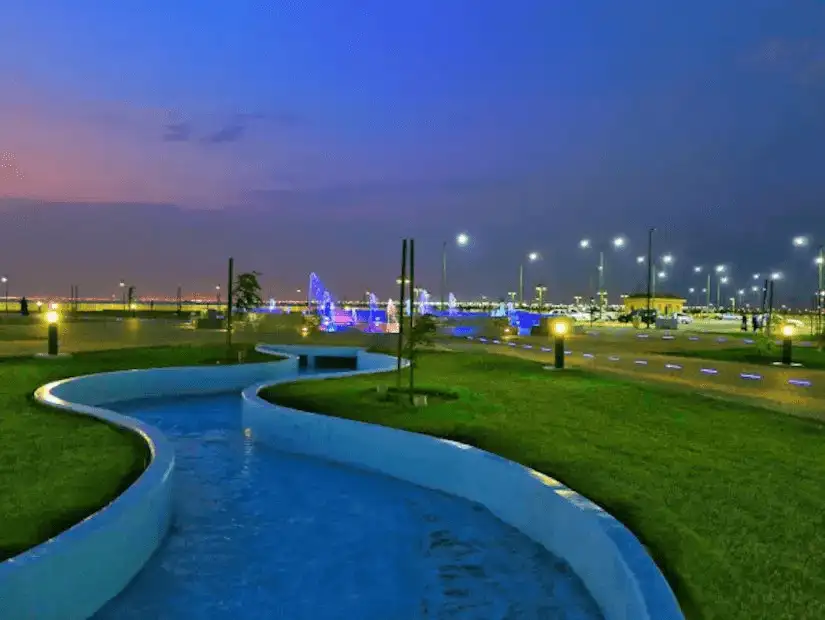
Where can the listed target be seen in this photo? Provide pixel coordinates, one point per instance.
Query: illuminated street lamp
(618, 243)
(5, 282)
(123, 293)
(218, 294)
(719, 282)
(800, 241)
(461, 240)
(640, 260)
(532, 257)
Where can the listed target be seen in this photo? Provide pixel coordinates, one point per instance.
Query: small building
(661, 302)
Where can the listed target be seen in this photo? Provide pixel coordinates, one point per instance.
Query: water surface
(262, 534)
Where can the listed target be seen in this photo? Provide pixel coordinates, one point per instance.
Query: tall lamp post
(820, 291)
(5, 281)
(532, 257)
(720, 280)
(649, 273)
(697, 270)
(218, 295)
(540, 291)
(618, 243)
(123, 293)
(461, 240)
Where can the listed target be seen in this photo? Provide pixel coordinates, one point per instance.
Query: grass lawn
(57, 468)
(728, 497)
(809, 357)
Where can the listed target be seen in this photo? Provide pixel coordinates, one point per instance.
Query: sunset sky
(150, 140)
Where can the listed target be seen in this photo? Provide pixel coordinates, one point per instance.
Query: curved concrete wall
(614, 566)
(74, 574)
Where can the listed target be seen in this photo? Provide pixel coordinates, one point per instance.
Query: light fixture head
(787, 330)
(560, 328)
(584, 243)
(462, 239)
(52, 316)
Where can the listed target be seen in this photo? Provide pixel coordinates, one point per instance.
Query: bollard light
(51, 318)
(559, 331)
(787, 344)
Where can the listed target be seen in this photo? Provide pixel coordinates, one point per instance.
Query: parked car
(683, 318)
(643, 315)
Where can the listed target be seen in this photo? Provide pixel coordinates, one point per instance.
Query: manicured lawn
(57, 468)
(810, 357)
(729, 498)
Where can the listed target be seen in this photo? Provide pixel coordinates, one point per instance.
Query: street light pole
(820, 291)
(649, 272)
(521, 284)
(443, 273)
(707, 288)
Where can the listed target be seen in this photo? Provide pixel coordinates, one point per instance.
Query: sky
(149, 141)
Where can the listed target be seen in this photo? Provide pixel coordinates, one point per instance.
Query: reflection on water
(262, 534)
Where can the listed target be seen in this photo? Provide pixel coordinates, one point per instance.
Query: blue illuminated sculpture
(324, 304)
(452, 305)
(424, 305)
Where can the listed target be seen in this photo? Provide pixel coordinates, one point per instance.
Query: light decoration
(452, 305)
(392, 317)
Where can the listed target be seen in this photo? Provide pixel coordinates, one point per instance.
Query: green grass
(57, 468)
(810, 357)
(728, 497)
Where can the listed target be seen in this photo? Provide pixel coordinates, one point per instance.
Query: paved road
(797, 391)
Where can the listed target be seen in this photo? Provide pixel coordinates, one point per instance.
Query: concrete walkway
(797, 391)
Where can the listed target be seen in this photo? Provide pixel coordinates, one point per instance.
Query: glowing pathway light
(787, 344)
(52, 318)
(560, 328)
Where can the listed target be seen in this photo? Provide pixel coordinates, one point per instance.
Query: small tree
(421, 335)
(247, 292)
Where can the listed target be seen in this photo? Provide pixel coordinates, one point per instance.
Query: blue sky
(291, 137)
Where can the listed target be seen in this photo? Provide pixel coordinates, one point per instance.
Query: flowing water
(262, 534)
